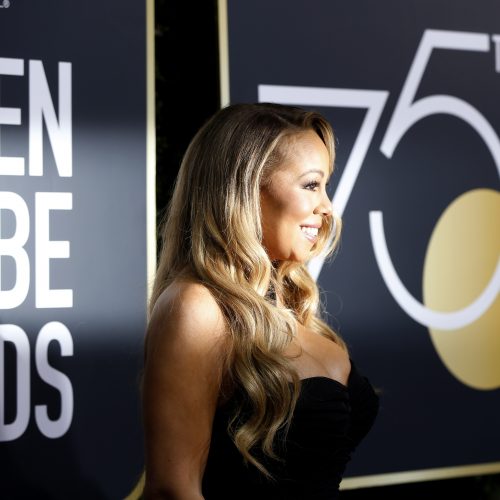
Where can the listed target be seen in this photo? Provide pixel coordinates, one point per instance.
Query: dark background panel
(101, 454)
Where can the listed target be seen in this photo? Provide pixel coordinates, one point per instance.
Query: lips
(311, 233)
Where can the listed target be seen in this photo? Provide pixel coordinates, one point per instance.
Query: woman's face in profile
(294, 200)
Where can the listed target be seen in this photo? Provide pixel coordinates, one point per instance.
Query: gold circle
(460, 260)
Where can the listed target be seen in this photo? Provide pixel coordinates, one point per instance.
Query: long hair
(213, 231)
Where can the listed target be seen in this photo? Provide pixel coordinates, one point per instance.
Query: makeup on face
(294, 199)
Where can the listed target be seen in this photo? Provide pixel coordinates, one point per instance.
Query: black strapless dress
(329, 421)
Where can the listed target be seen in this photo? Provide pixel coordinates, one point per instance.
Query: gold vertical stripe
(150, 146)
(136, 492)
(223, 53)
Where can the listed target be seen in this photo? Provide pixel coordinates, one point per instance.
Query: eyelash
(313, 185)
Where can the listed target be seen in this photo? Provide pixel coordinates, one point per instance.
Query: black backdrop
(100, 454)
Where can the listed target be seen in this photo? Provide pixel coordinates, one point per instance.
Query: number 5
(405, 115)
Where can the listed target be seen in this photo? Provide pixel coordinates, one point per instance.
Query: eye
(312, 186)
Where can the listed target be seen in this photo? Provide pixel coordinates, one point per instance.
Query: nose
(325, 205)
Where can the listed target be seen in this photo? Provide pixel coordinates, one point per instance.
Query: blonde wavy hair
(213, 231)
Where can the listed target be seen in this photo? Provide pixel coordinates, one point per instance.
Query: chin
(300, 258)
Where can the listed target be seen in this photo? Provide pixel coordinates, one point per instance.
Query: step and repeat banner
(412, 90)
(73, 252)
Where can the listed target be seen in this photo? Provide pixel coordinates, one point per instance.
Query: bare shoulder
(186, 343)
(189, 310)
(183, 371)
(188, 297)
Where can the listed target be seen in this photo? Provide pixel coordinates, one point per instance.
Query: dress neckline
(328, 380)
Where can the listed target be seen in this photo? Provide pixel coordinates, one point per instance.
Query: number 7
(372, 100)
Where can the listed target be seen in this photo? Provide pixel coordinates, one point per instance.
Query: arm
(182, 375)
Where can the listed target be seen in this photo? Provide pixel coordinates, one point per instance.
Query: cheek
(275, 222)
(285, 209)
(282, 216)
(297, 207)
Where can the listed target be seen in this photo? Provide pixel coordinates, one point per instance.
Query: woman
(247, 392)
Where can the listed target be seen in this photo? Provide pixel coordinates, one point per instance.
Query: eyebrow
(313, 170)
